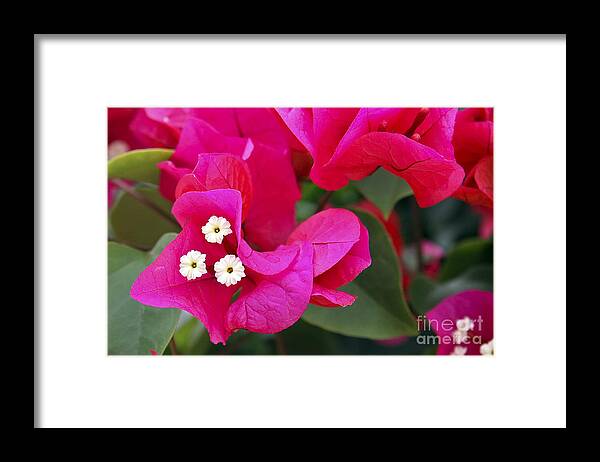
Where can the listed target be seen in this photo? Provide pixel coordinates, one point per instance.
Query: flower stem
(323, 201)
(280, 345)
(417, 233)
(173, 346)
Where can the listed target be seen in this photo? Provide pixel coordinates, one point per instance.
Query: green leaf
(384, 189)
(426, 293)
(421, 287)
(304, 339)
(138, 165)
(135, 223)
(192, 338)
(133, 328)
(466, 254)
(380, 310)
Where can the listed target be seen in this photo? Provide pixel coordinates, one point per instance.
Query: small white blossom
(117, 147)
(229, 270)
(216, 229)
(459, 351)
(459, 336)
(487, 348)
(192, 265)
(465, 324)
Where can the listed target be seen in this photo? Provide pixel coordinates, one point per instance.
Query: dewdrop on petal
(216, 229)
(229, 270)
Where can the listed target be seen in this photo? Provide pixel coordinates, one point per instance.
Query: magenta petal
(170, 175)
(437, 129)
(221, 119)
(300, 123)
(272, 216)
(431, 176)
(473, 196)
(119, 120)
(267, 263)
(173, 117)
(333, 232)
(330, 298)
(274, 302)
(153, 133)
(263, 125)
(329, 127)
(195, 208)
(484, 176)
(161, 285)
(351, 265)
(473, 136)
(219, 171)
(372, 120)
(198, 136)
(188, 182)
(478, 305)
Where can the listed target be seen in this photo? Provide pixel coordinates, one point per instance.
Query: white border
(523, 385)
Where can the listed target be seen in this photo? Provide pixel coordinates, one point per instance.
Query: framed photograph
(318, 224)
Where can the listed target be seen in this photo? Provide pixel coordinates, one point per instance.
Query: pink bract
(341, 252)
(273, 295)
(271, 193)
(278, 285)
(474, 148)
(350, 144)
(478, 306)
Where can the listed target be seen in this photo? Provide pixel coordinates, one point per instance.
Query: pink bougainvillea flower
(341, 252)
(271, 191)
(464, 323)
(219, 171)
(200, 275)
(473, 142)
(159, 127)
(120, 140)
(142, 128)
(349, 144)
(119, 133)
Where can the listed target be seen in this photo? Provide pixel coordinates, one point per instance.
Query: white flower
(191, 265)
(216, 229)
(465, 324)
(459, 336)
(487, 348)
(117, 147)
(229, 270)
(459, 351)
